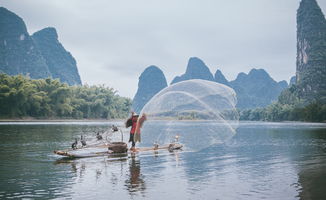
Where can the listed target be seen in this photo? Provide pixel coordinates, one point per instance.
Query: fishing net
(201, 112)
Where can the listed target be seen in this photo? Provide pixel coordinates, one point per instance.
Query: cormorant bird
(82, 140)
(74, 145)
(114, 128)
(155, 145)
(98, 136)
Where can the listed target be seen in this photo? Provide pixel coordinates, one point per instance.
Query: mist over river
(262, 160)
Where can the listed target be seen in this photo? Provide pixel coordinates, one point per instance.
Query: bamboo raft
(106, 150)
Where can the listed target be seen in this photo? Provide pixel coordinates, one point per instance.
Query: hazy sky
(114, 41)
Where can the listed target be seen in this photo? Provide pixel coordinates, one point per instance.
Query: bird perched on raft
(114, 128)
(82, 140)
(98, 136)
(156, 145)
(74, 145)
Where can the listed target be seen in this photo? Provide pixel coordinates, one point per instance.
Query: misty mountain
(18, 52)
(311, 51)
(220, 78)
(60, 62)
(196, 69)
(151, 81)
(256, 89)
(37, 56)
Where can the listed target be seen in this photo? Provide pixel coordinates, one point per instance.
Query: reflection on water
(135, 182)
(263, 160)
(116, 172)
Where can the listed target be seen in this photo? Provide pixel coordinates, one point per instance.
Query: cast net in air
(201, 112)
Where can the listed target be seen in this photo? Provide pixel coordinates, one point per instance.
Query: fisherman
(132, 121)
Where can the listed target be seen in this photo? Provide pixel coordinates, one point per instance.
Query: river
(262, 161)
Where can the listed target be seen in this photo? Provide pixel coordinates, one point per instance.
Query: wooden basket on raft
(118, 147)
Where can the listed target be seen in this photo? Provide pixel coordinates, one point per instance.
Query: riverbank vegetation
(290, 107)
(22, 97)
(314, 112)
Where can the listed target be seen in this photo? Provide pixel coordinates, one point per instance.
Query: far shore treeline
(289, 108)
(22, 97)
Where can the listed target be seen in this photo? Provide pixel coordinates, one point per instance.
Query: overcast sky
(114, 41)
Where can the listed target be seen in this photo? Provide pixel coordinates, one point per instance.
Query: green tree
(43, 98)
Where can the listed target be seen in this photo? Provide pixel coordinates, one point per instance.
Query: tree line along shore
(24, 98)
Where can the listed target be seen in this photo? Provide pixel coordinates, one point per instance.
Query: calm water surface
(262, 161)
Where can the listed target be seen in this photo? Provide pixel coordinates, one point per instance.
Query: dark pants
(131, 139)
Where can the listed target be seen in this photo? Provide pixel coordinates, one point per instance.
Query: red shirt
(134, 124)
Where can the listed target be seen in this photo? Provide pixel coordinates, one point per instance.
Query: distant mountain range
(255, 89)
(38, 56)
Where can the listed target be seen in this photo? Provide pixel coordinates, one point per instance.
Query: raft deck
(102, 150)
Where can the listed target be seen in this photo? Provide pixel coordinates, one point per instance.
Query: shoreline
(115, 120)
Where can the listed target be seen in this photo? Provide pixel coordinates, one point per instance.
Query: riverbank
(54, 120)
